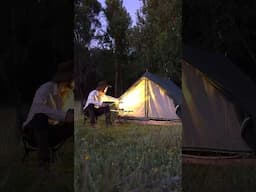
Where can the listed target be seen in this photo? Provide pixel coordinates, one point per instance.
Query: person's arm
(109, 98)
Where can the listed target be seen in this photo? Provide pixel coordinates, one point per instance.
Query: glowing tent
(151, 98)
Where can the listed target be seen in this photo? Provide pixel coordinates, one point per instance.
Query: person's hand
(69, 116)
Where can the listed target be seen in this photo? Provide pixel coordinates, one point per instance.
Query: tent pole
(145, 84)
(146, 98)
(145, 106)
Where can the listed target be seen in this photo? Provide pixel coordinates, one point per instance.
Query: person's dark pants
(44, 136)
(92, 112)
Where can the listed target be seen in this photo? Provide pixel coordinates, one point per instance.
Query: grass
(127, 157)
(219, 178)
(27, 176)
(16, 175)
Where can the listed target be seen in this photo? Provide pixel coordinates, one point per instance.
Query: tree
(158, 37)
(37, 35)
(119, 22)
(226, 27)
(86, 22)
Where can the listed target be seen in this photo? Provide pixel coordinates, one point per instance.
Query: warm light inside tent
(107, 98)
(130, 102)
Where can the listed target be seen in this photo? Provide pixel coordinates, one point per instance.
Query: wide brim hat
(65, 72)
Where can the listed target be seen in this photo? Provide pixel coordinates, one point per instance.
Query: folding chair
(28, 143)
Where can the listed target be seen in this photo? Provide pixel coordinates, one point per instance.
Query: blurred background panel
(35, 36)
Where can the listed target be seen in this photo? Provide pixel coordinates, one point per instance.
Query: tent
(219, 104)
(151, 98)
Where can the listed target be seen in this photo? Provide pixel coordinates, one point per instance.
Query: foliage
(119, 22)
(36, 35)
(158, 37)
(126, 51)
(225, 27)
(86, 22)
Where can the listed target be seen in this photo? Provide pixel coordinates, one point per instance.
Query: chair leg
(85, 119)
(55, 150)
(53, 156)
(24, 157)
(26, 151)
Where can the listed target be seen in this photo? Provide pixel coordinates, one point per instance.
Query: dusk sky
(131, 6)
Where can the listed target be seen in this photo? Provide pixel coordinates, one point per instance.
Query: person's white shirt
(93, 98)
(47, 101)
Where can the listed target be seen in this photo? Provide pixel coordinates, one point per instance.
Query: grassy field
(127, 157)
(219, 178)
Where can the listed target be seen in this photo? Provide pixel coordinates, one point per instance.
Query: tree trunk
(116, 76)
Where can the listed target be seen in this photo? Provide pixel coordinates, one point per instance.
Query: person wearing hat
(47, 122)
(94, 105)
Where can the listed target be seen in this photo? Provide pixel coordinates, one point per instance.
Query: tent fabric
(225, 76)
(161, 106)
(217, 96)
(149, 98)
(210, 121)
(172, 89)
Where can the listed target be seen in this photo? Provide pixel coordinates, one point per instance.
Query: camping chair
(28, 143)
(248, 132)
(82, 111)
(113, 111)
(178, 110)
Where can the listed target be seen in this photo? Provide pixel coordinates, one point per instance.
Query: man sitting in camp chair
(48, 123)
(95, 105)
